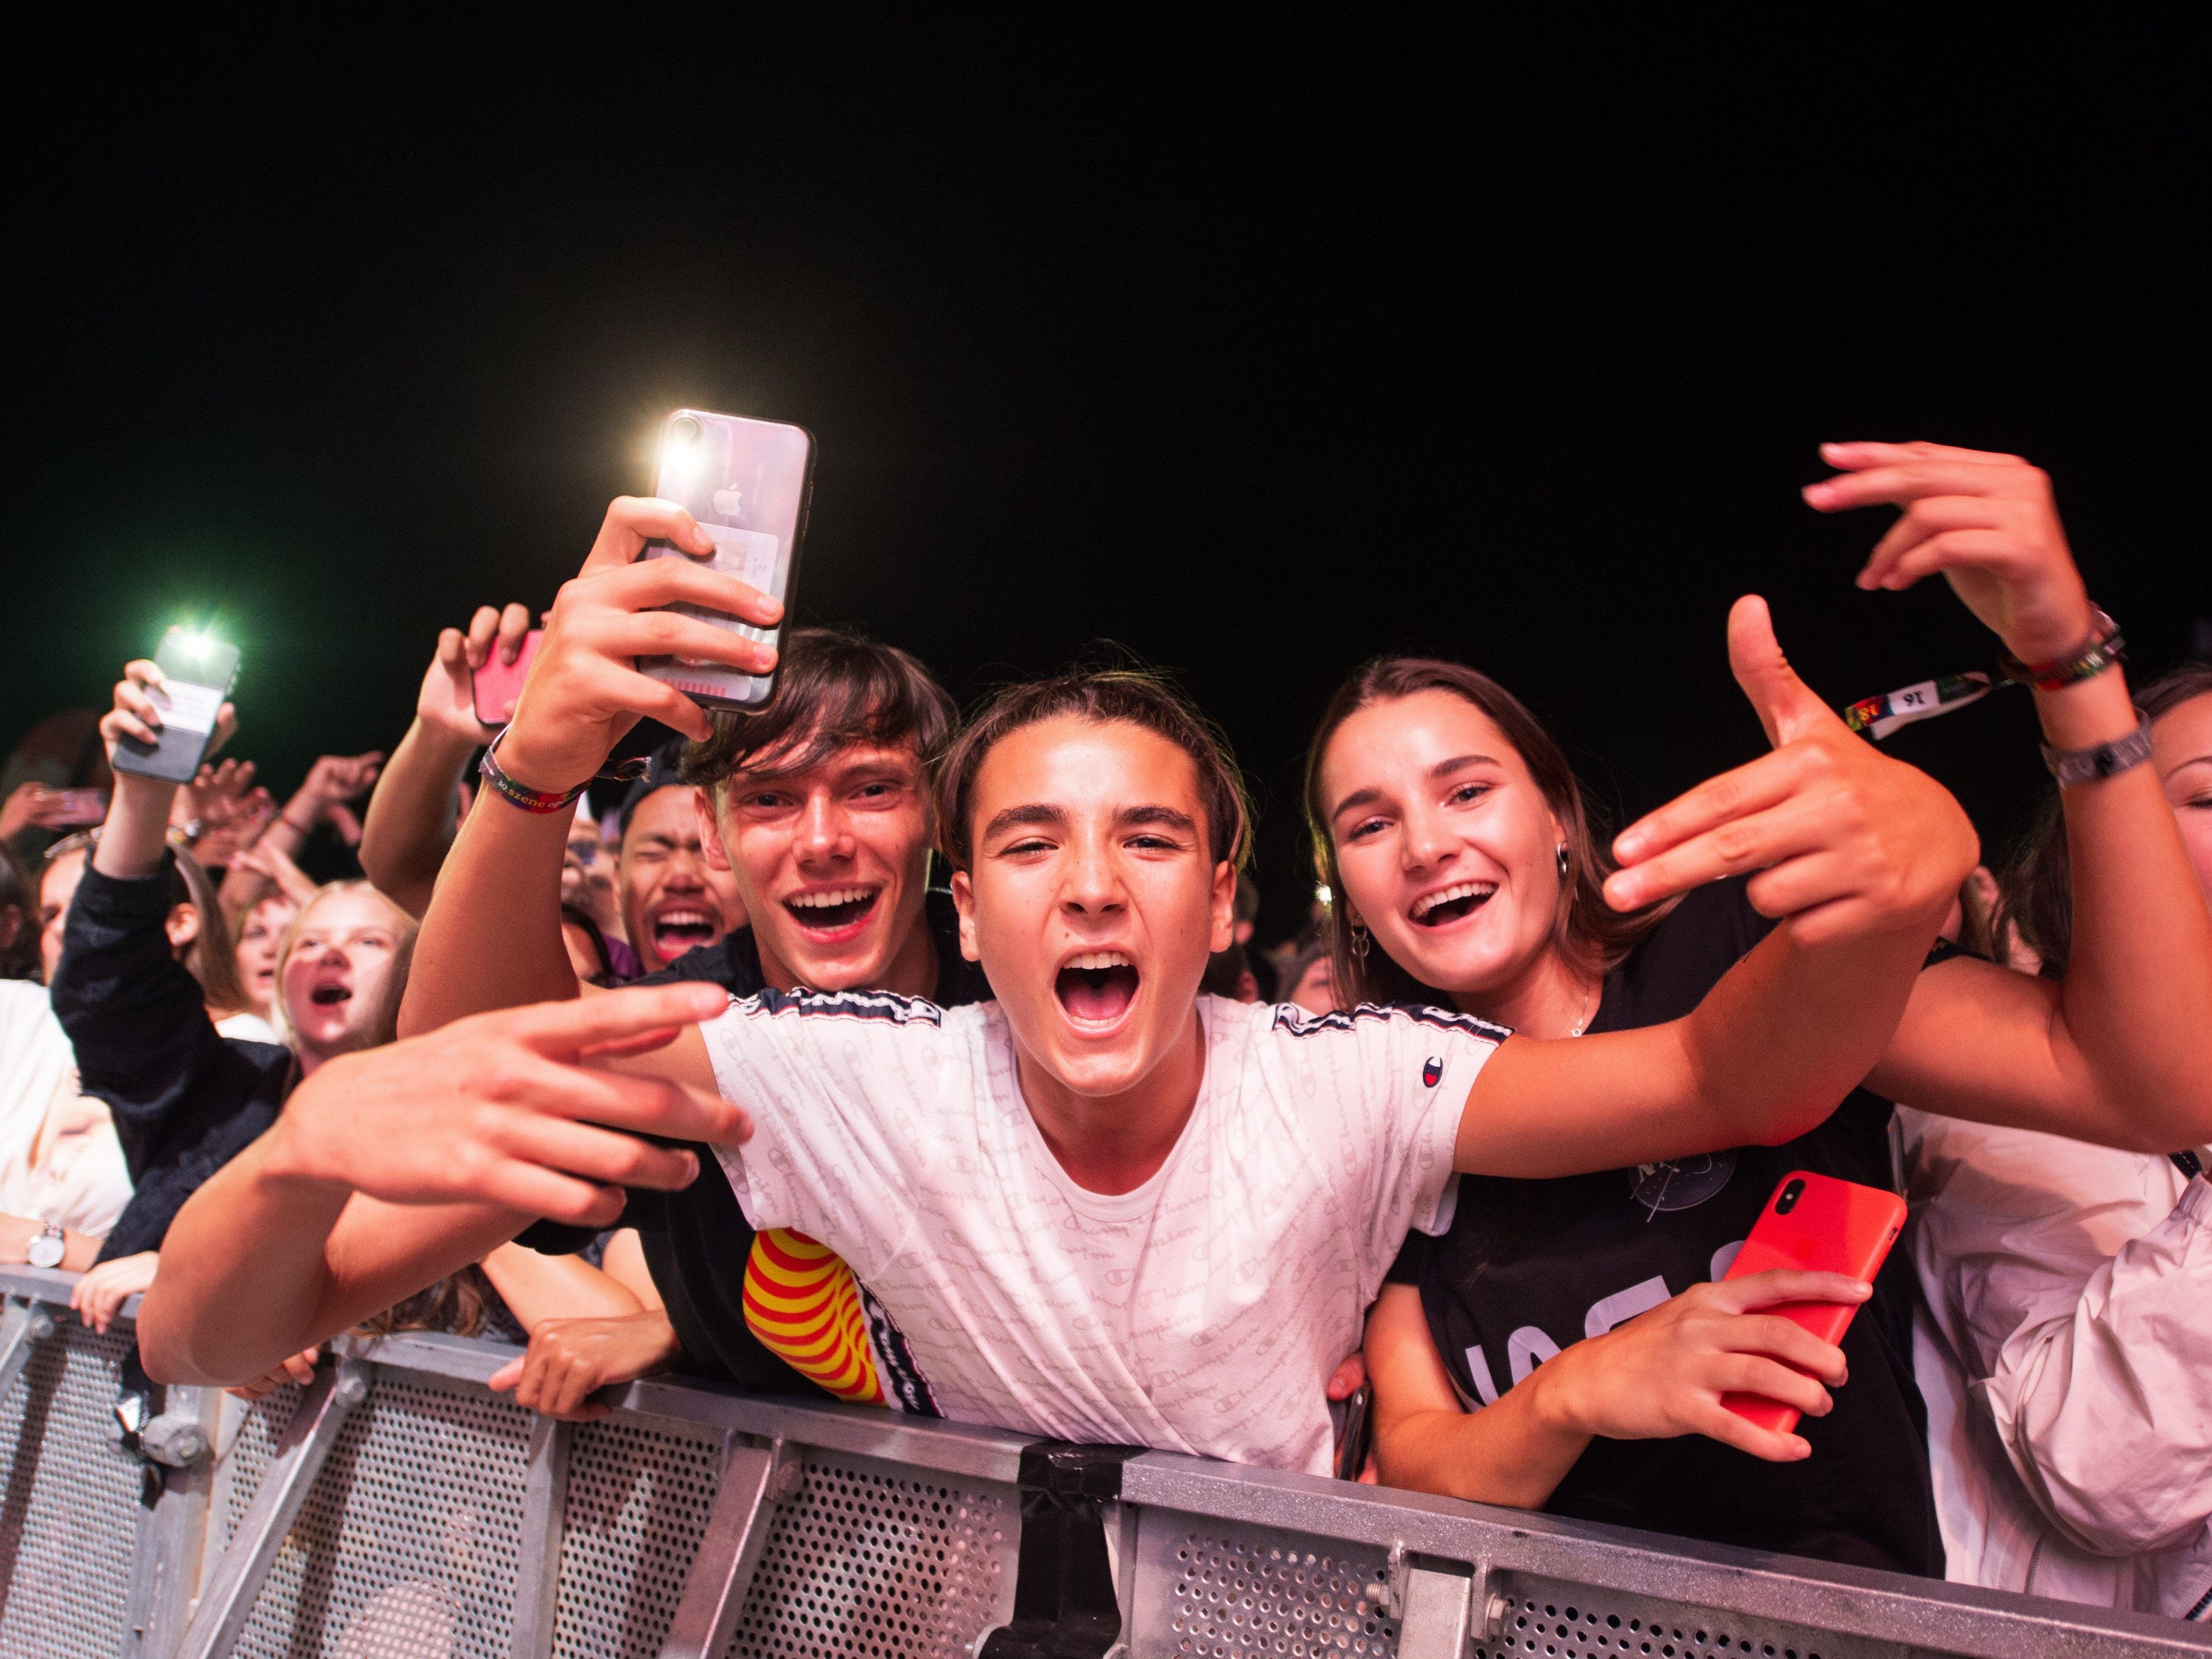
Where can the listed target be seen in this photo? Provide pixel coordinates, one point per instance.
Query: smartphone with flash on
(197, 672)
(749, 484)
(1820, 1224)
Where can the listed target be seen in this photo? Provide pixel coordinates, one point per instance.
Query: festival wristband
(2104, 648)
(515, 793)
(1879, 716)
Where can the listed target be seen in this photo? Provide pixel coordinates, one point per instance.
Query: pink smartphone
(494, 687)
(749, 484)
(1820, 1224)
(78, 807)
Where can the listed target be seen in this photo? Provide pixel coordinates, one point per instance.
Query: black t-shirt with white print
(697, 1240)
(1528, 1266)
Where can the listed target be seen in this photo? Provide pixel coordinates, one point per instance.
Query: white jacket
(2065, 1350)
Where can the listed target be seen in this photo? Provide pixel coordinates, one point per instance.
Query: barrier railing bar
(755, 1480)
(980, 1454)
(170, 1548)
(544, 1518)
(228, 1601)
(1434, 1603)
(25, 1325)
(1955, 1618)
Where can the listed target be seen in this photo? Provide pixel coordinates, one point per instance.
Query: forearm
(491, 937)
(408, 827)
(261, 1263)
(1790, 1030)
(2136, 1005)
(1513, 1453)
(537, 1287)
(137, 831)
(244, 1276)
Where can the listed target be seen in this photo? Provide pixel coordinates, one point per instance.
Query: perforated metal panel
(1564, 1621)
(69, 1511)
(872, 1561)
(243, 1449)
(408, 1545)
(1217, 1591)
(638, 1498)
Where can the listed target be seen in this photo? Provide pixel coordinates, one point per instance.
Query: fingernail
(1829, 451)
(1816, 493)
(691, 1167)
(1864, 581)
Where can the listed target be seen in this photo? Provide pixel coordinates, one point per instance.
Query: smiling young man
(1101, 1207)
(812, 819)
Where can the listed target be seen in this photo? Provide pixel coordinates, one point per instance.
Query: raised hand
(136, 715)
(505, 1108)
(584, 690)
(446, 703)
(1985, 521)
(228, 808)
(1845, 840)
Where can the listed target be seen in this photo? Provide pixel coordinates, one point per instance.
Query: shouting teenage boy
(1100, 1208)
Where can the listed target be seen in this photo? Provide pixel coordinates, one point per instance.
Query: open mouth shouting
(682, 925)
(832, 914)
(1096, 988)
(1448, 904)
(331, 993)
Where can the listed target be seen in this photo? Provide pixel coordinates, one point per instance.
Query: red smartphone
(1820, 1224)
(497, 685)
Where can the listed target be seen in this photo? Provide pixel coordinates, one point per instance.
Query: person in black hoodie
(184, 1098)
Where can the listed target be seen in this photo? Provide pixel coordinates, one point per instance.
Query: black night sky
(1257, 355)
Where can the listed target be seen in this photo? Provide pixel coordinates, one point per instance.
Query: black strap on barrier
(1064, 1602)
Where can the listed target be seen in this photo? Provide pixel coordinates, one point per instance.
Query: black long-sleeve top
(186, 1100)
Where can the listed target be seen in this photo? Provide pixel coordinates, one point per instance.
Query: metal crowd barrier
(396, 1507)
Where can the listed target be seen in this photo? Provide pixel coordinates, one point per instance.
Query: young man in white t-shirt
(1097, 1207)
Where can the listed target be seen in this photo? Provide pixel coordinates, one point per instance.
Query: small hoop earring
(1360, 940)
(1561, 854)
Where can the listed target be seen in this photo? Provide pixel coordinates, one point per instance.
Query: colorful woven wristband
(2104, 647)
(521, 794)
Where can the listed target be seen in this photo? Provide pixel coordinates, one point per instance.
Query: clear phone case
(748, 484)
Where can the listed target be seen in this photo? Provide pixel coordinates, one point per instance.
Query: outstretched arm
(409, 823)
(1858, 855)
(2120, 1050)
(502, 878)
(396, 1166)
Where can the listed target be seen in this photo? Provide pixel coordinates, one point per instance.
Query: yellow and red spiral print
(804, 1305)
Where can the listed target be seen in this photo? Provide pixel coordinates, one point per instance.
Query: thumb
(506, 1375)
(1787, 706)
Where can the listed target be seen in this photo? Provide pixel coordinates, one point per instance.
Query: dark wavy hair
(1126, 696)
(833, 690)
(1588, 932)
(2037, 880)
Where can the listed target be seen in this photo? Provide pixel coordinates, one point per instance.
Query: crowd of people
(856, 1048)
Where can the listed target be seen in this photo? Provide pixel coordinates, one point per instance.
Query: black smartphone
(1356, 1434)
(197, 674)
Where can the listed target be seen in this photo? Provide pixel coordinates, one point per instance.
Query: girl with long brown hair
(1564, 1344)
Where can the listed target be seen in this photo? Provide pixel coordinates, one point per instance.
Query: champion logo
(1432, 1070)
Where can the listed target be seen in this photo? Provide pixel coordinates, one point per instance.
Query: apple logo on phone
(728, 502)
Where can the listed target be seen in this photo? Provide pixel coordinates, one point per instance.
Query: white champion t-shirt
(1201, 1313)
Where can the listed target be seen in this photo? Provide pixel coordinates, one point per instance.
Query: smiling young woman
(1564, 1344)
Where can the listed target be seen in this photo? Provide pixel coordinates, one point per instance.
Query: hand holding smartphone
(197, 673)
(748, 484)
(1818, 1223)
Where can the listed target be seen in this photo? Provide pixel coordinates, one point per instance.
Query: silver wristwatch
(2103, 760)
(48, 1248)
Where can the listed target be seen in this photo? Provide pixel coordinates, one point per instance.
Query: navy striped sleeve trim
(882, 1005)
(1298, 1022)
